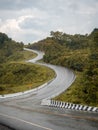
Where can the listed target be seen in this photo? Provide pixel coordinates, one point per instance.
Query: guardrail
(66, 105)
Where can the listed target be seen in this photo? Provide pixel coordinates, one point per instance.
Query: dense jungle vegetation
(79, 53)
(15, 74)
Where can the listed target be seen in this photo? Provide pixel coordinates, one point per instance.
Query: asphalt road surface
(26, 113)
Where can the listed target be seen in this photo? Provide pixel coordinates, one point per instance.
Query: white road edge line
(33, 124)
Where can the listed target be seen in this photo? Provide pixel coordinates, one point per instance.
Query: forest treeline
(9, 48)
(80, 53)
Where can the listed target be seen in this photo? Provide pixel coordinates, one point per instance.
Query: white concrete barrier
(71, 106)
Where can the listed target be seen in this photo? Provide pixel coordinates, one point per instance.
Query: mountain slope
(15, 74)
(80, 53)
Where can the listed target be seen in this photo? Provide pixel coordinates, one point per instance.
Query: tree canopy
(8, 47)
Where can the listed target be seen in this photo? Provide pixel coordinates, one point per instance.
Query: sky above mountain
(32, 20)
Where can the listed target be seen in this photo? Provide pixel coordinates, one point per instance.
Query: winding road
(25, 112)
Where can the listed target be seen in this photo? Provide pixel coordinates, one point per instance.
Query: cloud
(32, 20)
(9, 25)
(22, 28)
(15, 4)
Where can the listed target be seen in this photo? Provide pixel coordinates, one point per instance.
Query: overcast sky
(32, 20)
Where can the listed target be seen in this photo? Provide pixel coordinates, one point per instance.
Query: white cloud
(9, 26)
(13, 29)
(30, 20)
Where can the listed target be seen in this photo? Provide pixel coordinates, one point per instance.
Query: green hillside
(17, 77)
(80, 53)
(15, 74)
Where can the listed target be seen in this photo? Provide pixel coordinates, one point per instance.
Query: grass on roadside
(72, 93)
(76, 93)
(19, 76)
(21, 56)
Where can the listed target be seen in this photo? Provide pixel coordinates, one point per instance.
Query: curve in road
(25, 112)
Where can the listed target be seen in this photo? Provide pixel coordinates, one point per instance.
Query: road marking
(33, 124)
(51, 112)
